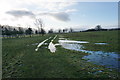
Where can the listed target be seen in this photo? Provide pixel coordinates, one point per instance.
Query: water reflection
(62, 38)
(108, 59)
(72, 41)
(35, 44)
(101, 43)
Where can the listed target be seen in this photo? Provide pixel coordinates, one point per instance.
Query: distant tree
(59, 30)
(29, 31)
(39, 24)
(3, 30)
(7, 32)
(90, 30)
(20, 30)
(14, 32)
(98, 27)
(65, 30)
(71, 30)
(42, 31)
(36, 32)
(50, 31)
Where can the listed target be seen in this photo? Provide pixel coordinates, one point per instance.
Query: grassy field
(110, 37)
(20, 59)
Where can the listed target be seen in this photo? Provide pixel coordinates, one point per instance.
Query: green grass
(21, 61)
(110, 37)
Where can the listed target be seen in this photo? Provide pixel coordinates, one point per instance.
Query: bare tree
(36, 32)
(39, 24)
(59, 30)
(20, 31)
(65, 30)
(29, 31)
(71, 30)
(50, 31)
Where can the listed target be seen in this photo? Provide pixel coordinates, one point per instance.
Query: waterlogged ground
(22, 61)
(108, 59)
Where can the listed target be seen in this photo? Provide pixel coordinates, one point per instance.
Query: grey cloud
(20, 13)
(61, 16)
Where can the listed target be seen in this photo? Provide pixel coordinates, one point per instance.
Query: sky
(59, 14)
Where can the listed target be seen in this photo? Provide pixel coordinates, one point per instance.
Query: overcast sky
(60, 14)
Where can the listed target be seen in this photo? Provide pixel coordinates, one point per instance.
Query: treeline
(10, 31)
(66, 30)
(17, 32)
(99, 28)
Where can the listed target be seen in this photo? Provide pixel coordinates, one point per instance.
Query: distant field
(20, 59)
(110, 37)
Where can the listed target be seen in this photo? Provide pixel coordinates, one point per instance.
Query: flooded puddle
(45, 43)
(35, 44)
(62, 38)
(101, 43)
(108, 59)
(72, 41)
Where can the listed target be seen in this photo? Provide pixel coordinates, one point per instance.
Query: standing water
(108, 59)
(101, 43)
